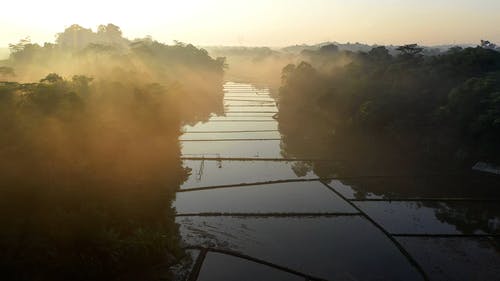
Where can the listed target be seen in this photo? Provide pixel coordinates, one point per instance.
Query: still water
(251, 210)
(280, 198)
(332, 248)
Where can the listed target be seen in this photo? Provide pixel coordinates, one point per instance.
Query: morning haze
(225, 140)
(264, 22)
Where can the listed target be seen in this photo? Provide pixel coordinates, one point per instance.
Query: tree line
(89, 153)
(448, 101)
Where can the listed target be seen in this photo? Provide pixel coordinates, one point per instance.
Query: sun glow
(261, 22)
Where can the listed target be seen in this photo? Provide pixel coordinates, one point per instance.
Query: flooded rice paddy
(249, 212)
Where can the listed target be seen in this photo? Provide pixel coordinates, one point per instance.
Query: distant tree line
(106, 54)
(449, 100)
(89, 153)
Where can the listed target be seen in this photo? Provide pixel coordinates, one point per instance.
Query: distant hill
(233, 51)
(353, 47)
(361, 47)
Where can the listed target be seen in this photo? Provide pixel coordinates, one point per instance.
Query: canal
(250, 212)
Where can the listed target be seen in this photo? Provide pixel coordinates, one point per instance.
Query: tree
(23, 50)
(287, 72)
(455, 50)
(110, 30)
(82, 83)
(110, 34)
(329, 49)
(485, 44)
(52, 78)
(221, 61)
(410, 50)
(75, 37)
(20, 46)
(379, 53)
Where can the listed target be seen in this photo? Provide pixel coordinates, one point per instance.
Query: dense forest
(403, 125)
(263, 65)
(89, 128)
(89, 152)
(382, 110)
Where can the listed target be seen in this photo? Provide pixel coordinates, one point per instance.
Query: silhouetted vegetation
(404, 126)
(419, 107)
(106, 53)
(89, 164)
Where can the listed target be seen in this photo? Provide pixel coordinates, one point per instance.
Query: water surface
(455, 258)
(205, 173)
(250, 199)
(435, 217)
(231, 136)
(231, 126)
(283, 198)
(333, 248)
(219, 267)
(233, 149)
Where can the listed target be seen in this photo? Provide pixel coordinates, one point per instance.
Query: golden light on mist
(259, 22)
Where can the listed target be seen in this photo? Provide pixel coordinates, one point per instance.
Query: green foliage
(451, 98)
(179, 53)
(89, 165)
(77, 37)
(105, 53)
(82, 197)
(328, 49)
(475, 106)
(410, 51)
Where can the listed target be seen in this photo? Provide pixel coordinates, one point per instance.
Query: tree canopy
(447, 98)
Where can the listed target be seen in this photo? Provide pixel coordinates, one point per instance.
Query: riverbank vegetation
(398, 126)
(89, 153)
(421, 107)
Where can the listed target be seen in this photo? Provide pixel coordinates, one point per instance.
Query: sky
(261, 22)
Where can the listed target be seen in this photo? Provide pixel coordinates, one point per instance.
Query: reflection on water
(350, 192)
(290, 198)
(246, 98)
(293, 229)
(333, 248)
(472, 186)
(255, 109)
(223, 267)
(231, 126)
(231, 136)
(241, 118)
(455, 258)
(250, 103)
(267, 114)
(435, 217)
(233, 149)
(213, 173)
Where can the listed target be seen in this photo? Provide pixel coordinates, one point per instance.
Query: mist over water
(133, 159)
(90, 156)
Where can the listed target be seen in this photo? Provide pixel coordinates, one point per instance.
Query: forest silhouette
(90, 158)
(445, 104)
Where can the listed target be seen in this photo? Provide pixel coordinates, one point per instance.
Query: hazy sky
(261, 22)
